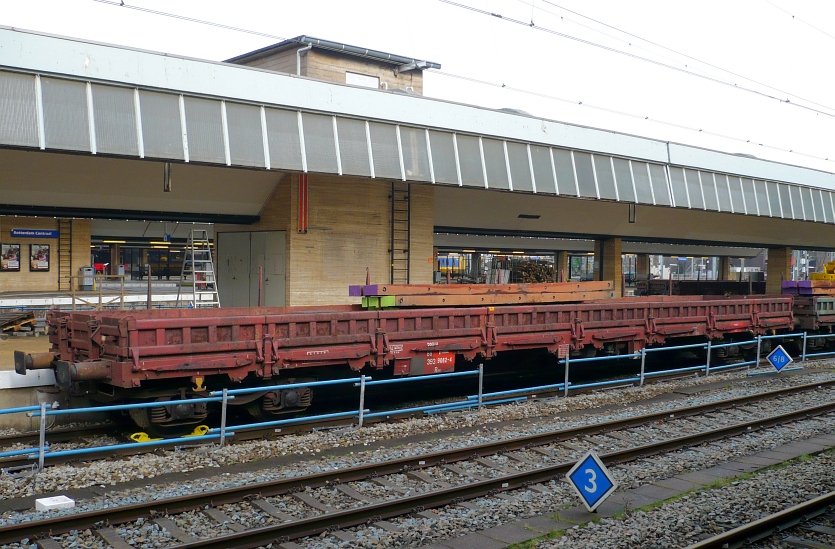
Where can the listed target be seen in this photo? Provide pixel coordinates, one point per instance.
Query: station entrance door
(239, 256)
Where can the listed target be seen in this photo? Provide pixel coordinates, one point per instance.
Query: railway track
(56, 435)
(442, 477)
(69, 435)
(790, 518)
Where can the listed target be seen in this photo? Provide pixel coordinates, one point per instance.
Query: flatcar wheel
(168, 421)
(280, 403)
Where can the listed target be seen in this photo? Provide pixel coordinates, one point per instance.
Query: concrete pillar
(608, 262)
(563, 273)
(642, 267)
(114, 259)
(724, 268)
(778, 270)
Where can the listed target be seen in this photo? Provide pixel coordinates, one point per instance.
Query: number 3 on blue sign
(590, 479)
(592, 486)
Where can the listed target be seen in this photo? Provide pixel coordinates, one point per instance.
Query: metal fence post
(803, 352)
(42, 441)
(480, 385)
(223, 416)
(643, 363)
(707, 362)
(759, 346)
(362, 401)
(567, 362)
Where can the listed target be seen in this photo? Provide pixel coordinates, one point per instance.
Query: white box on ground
(54, 503)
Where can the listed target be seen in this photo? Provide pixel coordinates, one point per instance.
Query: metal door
(233, 272)
(268, 251)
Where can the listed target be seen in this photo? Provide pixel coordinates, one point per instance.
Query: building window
(363, 80)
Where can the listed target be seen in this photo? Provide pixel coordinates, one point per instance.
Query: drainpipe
(299, 58)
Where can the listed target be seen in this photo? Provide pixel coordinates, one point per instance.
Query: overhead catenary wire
(635, 56)
(121, 4)
(703, 131)
(803, 21)
(682, 54)
(639, 117)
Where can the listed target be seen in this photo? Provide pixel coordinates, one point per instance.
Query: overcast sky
(776, 48)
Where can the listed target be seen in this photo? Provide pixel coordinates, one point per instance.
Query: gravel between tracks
(708, 512)
(492, 426)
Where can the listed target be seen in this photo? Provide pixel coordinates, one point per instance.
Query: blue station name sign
(35, 233)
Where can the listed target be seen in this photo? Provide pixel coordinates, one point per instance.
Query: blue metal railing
(43, 451)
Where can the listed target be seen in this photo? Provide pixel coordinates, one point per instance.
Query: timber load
(383, 296)
(809, 287)
(15, 321)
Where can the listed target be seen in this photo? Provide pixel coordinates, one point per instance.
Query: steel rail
(56, 435)
(352, 517)
(61, 524)
(764, 527)
(254, 434)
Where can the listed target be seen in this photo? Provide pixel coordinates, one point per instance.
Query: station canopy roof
(94, 100)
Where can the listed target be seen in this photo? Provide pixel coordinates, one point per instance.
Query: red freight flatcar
(177, 353)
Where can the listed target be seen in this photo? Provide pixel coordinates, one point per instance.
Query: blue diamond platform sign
(779, 358)
(591, 480)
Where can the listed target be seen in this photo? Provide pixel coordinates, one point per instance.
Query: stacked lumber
(14, 321)
(380, 296)
(808, 287)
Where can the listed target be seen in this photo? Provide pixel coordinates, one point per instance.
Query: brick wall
(332, 66)
(26, 280)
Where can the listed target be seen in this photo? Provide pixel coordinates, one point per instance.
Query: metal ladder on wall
(65, 254)
(400, 232)
(201, 290)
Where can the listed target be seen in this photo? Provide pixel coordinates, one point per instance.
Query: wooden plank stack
(380, 296)
(808, 287)
(15, 321)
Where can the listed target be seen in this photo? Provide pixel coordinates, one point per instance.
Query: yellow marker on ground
(198, 431)
(142, 437)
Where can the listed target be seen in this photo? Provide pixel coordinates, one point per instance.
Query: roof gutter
(371, 54)
(299, 53)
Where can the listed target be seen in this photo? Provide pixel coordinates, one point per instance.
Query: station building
(317, 165)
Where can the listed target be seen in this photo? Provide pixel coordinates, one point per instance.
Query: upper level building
(340, 63)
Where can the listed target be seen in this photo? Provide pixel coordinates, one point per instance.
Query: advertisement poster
(9, 257)
(38, 257)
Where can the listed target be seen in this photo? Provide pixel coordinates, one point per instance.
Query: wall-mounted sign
(38, 257)
(9, 257)
(35, 233)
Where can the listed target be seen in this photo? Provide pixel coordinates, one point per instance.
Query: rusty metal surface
(236, 343)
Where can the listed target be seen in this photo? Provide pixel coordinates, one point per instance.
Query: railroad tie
(543, 451)
(225, 520)
(389, 485)
(290, 545)
(48, 543)
(521, 459)
(491, 464)
(803, 543)
(111, 537)
(354, 494)
(821, 529)
(538, 487)
(462, 472)
(176, 532)
(272, 510)
(310, 501)
(343, 535)
(580, 446)
(387, 526)
(423, 477)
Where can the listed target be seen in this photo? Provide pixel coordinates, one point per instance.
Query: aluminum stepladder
(200, 268)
